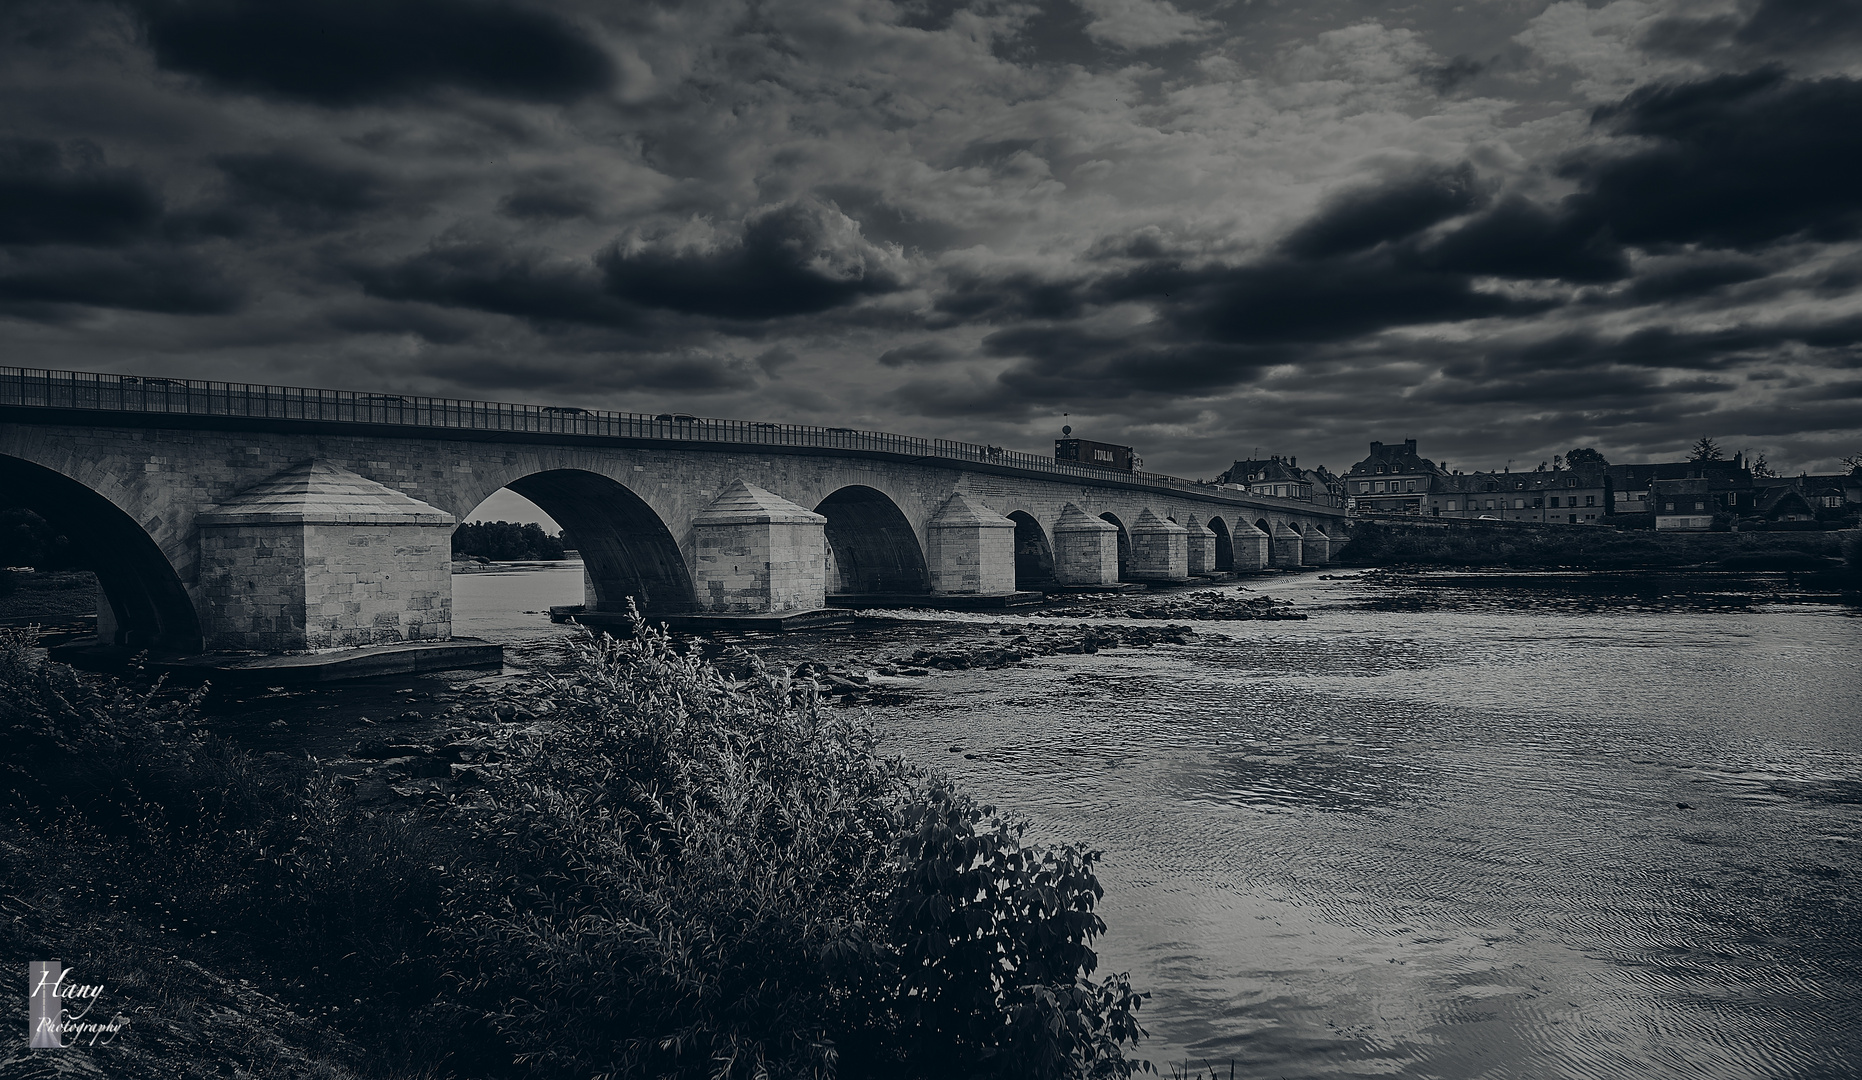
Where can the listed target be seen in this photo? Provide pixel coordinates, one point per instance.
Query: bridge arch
(871, 545)
(1124, 545)
(626, 548)
(149, 606)
(1224, 543)
(1034, 555)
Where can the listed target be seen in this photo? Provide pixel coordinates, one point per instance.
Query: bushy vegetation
(505, 541)
(1376, 544)
(26, 540)
(647, 869)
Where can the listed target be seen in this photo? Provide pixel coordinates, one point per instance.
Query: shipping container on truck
(1088, 452)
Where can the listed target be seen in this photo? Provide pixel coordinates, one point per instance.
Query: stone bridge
(226, 516)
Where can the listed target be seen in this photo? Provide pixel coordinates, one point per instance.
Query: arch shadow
(1263, 525)
(148, 603)
(871, 545)
(627, 550)
(1224, 543)
(1034, 556)
(1124, 546)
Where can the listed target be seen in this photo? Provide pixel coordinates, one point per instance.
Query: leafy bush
(652, 869)
(722, 879)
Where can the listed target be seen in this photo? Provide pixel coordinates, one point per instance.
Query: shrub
(704, 877)
(657, 870)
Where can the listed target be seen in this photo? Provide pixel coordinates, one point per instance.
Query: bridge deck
(177, 399)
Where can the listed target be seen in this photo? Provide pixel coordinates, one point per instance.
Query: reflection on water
(1473, 835)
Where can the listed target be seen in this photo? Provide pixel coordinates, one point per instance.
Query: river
(1443, 833)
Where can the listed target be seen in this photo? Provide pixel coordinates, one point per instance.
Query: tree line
(506, 540)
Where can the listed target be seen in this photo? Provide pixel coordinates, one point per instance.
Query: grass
(645, 867)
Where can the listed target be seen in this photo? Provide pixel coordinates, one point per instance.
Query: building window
(1700, 506)
(1411, 487)
(1519, 504)
(1590, 500)
(1670, 506)
(1554, 502)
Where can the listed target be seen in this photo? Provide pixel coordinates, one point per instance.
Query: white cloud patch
(1142, 24)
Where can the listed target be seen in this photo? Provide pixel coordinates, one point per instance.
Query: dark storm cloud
(787, 262)
(350, 52)
(52, 194)
(302, 191)
(486, 277)
(34, 284)
(1737, 161)
(985, 298)
(1520, 239)
(1776, 29)
(550, 198)
(1368, 216)
(687, 373)
(1693, 279)
(919, 352)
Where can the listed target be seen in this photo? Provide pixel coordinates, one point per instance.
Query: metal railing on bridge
(194, 397)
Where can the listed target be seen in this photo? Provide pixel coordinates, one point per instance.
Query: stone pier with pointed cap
(1160, 549)
(1085, 549)
(1251, 547)
(969, 549)
(1315, 547)
(1201, 547)
(1289, 546)
(758, 554)
(317, 557)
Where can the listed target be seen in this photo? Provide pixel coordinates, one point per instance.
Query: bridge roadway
(229, 516)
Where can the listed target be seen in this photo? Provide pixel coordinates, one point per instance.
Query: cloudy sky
(1502, 227)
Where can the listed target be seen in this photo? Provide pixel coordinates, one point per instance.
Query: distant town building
(1579, 496)
(1281, 477)
(1393, 480)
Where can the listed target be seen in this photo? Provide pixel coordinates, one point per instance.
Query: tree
(1707, 450)
(1762, 468)
(1582, 456)
(1853, 463)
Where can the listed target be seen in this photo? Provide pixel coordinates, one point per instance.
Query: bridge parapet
(84, 391)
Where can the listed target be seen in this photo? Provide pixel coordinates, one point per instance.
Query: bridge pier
(758, 554)
(1316, 547)
(970, 550)
(1160, 549)
(1201, 547)
(1288, 545)
(1251, 547)
(1085, 549)
(317, 557)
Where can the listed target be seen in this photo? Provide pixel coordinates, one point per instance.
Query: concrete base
(938, 602)
(294, 669)
(617, 622)
(1114, 587)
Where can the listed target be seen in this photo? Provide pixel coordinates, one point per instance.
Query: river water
(1452, 833)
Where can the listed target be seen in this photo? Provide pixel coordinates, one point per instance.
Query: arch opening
(871, 545)
(1034, 556)
(627, 551)
(1224, 543)
(1124, 546)
(149, 607)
